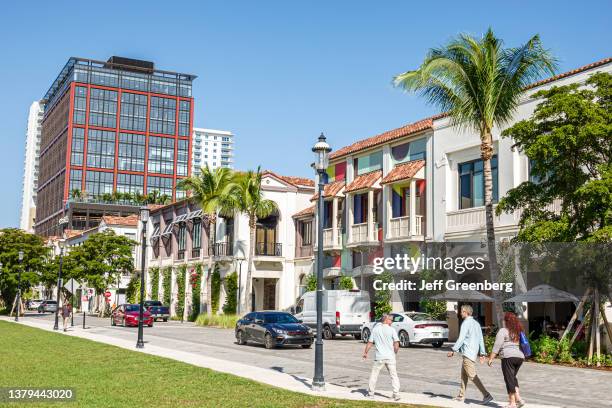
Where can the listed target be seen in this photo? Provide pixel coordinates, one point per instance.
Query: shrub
(196, 285)
(167, 273)
(231, 288)
(544, 349)
(311, 283)
(346, 282)
(132, 292)
(435, 308)
(382, 298)
(224, 321)
(180, 293)
(216, 289)
(154, 275)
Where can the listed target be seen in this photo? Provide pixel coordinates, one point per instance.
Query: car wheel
(404, 339)
(269, 342)
(437, 344)
(306, 346)
(365, 335)
(357, 336)
(165, 319)
(240, 338)
(327, 333)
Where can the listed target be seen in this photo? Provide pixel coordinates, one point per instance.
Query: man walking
(385, 340)
(471, 344)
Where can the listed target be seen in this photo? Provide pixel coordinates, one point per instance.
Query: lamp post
(62, 223)
(18, 303)
(144, 218)
(321, 150)
(239, 260)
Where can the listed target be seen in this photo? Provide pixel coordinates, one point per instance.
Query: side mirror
(259, 321)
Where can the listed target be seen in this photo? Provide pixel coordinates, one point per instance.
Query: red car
(127, 315)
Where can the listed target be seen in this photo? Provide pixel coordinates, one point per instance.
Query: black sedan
(273, 329)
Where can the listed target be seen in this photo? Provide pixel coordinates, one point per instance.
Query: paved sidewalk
(274, 377)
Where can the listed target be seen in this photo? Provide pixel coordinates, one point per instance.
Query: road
(421, 369)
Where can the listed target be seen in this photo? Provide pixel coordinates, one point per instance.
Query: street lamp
(321, 150)
(18, 303)
(239, 260)
(144, 217)
(62, 224)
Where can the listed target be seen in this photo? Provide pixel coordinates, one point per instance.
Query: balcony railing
(269, 249)
(400, 227)
(222, 249)
(359, 234)
(303, 251)
(329, 241)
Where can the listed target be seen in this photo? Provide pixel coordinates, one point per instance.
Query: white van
(344, 311)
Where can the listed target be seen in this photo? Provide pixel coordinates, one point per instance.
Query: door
(259, 330)
(248, 325)
(269, 296)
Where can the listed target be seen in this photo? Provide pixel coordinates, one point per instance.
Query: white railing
(328, 238)
(418, 227)
(359, 232)
(400, 227)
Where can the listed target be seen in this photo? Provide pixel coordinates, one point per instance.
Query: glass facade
(103, 108)
(80, 105)
(182, 159)
(101, 149)
(184, 116)
(161, 184)
(98, 183)
(130, 183)
(78, 143)
(133, 112)
(131, 152)
(76, 177)
(161, 155)
(163, 115)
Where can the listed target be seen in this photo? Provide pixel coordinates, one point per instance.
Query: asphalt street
(421, 369)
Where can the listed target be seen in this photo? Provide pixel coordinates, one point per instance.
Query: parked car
(413, 328)
(47, 306)
(128, 314)
(157, 310)
(34, 303)
(273, 329)
(344, 311)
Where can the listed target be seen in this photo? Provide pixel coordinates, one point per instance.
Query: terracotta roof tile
(305, 212)
(294, 181)
(404, 171)
(130, 220)
(330, 190)
(385, 137)
(570, 73)
(364, 181)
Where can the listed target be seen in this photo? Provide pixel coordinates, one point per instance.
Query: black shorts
(510, 367)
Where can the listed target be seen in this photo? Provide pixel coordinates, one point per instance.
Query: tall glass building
(119, 126)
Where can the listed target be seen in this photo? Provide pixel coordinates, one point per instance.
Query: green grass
(223, 321)
(108, 376)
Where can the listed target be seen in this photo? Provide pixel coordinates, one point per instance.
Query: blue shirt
(383, 336)
(470, 342)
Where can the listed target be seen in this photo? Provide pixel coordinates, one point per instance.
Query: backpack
(525, 347)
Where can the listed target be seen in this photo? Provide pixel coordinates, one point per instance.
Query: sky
(276, 73)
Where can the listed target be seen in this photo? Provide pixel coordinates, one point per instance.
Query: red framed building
(119, 126)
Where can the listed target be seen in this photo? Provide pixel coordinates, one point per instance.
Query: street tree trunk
(249, 287)
(486, 149)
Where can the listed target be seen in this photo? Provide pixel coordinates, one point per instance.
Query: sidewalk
(270, 377)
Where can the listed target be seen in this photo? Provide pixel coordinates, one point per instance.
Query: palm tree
(479, 84)
(247, 197)
(210, 189)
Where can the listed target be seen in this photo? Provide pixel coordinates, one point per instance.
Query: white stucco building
(30, 167)
(214, 148)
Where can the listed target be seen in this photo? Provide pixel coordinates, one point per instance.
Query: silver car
(47, 306)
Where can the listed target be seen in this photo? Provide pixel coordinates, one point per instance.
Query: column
(370, 216)
(387, 210)
(349, 224)
(412, 220)
(334, 221)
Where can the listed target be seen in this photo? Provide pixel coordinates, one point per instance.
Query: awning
(331, 190)
(155, 235)
(167, 230)
(179, 219)
(365, 181)
(544, 294)
(404, 171)
(194, 214)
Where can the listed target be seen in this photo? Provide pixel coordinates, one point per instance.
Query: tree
(479, 83)
(346, 282)
(382, 298)
(569, 146)
(246, 196)
(12, 241)
(210, 189)
(103, 258)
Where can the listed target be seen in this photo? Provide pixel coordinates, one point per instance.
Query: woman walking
(507, 346)
(66, 312)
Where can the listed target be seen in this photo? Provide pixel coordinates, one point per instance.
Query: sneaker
(459, 398)
(487, 399)
(520, 404)
(396, 397)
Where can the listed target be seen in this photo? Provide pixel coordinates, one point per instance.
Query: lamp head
(321, 150)
(144, 214)
(20, 256)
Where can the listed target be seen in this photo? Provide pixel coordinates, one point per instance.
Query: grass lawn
(109, 376)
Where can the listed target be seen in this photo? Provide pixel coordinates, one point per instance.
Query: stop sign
(107, 294)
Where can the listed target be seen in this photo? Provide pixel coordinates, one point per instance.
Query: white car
(413, 328)
(35, 303)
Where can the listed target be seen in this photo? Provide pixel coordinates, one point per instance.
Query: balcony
(304, 251)
(268, 249)
(364, 234)
(332, 239)
(222, 249)
(400, 228)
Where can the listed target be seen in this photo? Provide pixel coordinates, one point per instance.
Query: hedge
(195, 280)
(180, 282)
(231, 288)
(154, 276)
(167, 273)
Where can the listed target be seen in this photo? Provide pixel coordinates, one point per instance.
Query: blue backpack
(525, 347)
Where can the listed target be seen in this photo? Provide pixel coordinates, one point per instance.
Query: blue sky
(276, 73)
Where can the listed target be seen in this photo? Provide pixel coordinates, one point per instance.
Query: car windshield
(420, 317)
(132, 308)
(279, 318)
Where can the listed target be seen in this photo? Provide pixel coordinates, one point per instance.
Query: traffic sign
(71, 285)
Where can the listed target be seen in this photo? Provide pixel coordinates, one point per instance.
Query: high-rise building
(212, 147)
(30, 171)
(119, 126)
